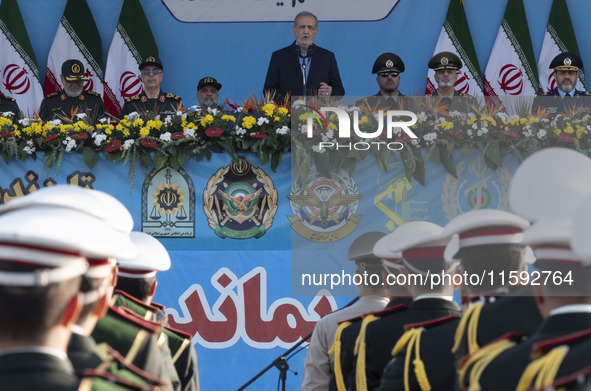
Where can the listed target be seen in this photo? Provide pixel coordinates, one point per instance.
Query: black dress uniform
(165, 104)
(59, 104)
(8, 103)
(382, 334)
(434, 366)
(28, 370)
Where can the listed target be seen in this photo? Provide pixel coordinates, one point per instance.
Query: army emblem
(150, 59)
(389, 64)
(168, 204)
(567, 61)
(444, 61)
(240, 201)
(324, 208)
(75, 68)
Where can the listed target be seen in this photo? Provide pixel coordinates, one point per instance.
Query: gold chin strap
(479, 361)
(412, 340)
(335, 350)
(469, 321)
(360, 352)
(542, 371)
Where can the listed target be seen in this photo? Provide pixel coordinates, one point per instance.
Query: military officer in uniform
(445, 65)
(565, 96)
(208, 92)
(318, 365)
(8, 104)
(73, 98)
(152, 99)
(388, 67)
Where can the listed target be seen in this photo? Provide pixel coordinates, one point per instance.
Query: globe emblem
(511, 79)
(130, 84)
(462, 84)
(16, 80)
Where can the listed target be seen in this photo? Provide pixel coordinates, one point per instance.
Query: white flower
(30, 148)
(479, 133)
(165, 136)
(504, 117)
(127, 144)
(283, 130)
(102, 120)
(55, 122)
(262, 120)
(541, 133)
(179, 113)
(353, 108)
(317, 149)
(297, 103)
(469, 132)
(484, 130)
(133, 116)
(167, 120)
(24, 122)
(194, 108)
(330, 134)
(81, 115)
(240, 109)
(475, 127)
(240, 131)
(304, 129)
(7, 114)
(422, 116)
(415, 141)
(157, 116)
(189, 132)
(69, 143)
(430, 137)
(213, 111)
(99, 138)
(455, 114)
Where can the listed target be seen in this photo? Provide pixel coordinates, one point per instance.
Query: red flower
(511, 134)
(178, 135)
(148, 143)
(235, 107)
(7, 134)
(455, 135)
(567, 138)
(113, 146)
(50, 138)
(80, 136)
(259, 134)
(214, 131)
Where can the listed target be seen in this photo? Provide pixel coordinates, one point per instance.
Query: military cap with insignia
(445, 60)
(361, 250)
(208, 81)
(73, 70)
(388, 62)
(566, 61)
(154, 61)
(151, 257)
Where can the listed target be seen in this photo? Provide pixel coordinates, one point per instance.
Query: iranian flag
(559, 37)
(455, 37)
(511, 68)
(77, 38)
(132, 42)
(18, 66)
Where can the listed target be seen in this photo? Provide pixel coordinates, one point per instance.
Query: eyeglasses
(155, 72)
(386, 74)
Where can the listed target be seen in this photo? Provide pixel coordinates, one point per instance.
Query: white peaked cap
(151, 257)
(550, 184)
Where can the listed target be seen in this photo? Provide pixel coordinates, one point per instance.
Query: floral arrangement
(264, 127)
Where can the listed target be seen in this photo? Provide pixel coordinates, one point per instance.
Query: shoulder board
(179, 333)
(546, 94)
(135, 97)
(92, 93)
(431, 323)
(53, 94)
(388, 311)
(173, 96)
(127, 315)
(542, 347)
(584, 93)
(10, 98)
(114, 355)
(510, 336)
(159, 306)
(100, 380)
(123, 299)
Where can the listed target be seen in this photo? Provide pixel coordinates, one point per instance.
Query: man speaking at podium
(303, 68)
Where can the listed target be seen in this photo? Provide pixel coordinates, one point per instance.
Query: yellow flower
(277, 119)
(138, 122)
(569, 129)
(282, 111)
(144, 131)
(268, 109)
(207, 120)
(228, 118)
(304, 117)
(125, 132)
(557, 131)
(248, 122)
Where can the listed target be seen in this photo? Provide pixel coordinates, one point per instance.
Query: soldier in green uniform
(73, 98)
(388, 67)
(152, 99)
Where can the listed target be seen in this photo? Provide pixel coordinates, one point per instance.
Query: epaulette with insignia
(542, 347)
(10, 98)
(93, 93)
(135, 97)
(53, 94)
(431, 323)
(124, 299)
(173, 96)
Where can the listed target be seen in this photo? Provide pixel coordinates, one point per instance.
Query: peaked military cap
(73, 70)
(445, 60)
(361, 250)
(154, 61)
(208, 81)
(388, 62)
(566, 61)
(151, 257)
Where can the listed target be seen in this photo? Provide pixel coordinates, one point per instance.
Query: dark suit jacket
(28, 371)
(285, 73)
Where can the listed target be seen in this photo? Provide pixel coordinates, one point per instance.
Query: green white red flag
(20, 75)
(511, 68)
(132, 42)
(559, 37)
(455, 37)
(77, 38)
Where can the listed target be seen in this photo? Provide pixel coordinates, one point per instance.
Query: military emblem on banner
(479, 187)
(168, 204)
(240, 201)
(324, 208)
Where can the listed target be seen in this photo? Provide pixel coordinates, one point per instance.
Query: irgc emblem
(240, 201)
(324, 208)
